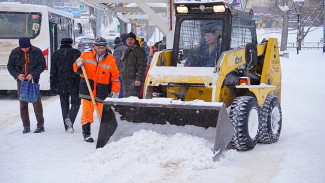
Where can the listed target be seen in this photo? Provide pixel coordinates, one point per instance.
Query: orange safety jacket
(102, 75)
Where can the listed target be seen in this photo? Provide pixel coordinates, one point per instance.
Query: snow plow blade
(180, 113)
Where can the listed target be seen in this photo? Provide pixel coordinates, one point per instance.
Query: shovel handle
(91, 92)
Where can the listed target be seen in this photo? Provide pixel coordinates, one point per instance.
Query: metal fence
(306, 45)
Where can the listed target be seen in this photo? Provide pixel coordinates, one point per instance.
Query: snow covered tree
(284, 12)
(309, 13)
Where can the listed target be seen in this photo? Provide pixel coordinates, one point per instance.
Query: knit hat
(24, 42)
(131, 35)
(100, 42)
(66, 41)
(117, 40)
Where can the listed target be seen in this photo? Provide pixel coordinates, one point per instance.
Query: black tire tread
(266, 135)
(239, 111)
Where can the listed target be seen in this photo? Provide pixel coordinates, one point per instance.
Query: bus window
(45, 27)
(14, 25)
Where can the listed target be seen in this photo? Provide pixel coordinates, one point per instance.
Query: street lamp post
(324, 28)
(298, 33)
(298, 4)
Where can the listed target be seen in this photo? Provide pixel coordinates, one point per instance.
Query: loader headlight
(182, 9)
(219, 8)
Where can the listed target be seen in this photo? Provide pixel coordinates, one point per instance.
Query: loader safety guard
(180, 114)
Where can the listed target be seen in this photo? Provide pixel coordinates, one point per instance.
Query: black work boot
(39, 130)
(26, 130)
(86, 132)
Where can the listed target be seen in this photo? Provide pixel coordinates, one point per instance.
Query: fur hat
(66, 41)
(117, 40)
(24, 42)
(131, 35)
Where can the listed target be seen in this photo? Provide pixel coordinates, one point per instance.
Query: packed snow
(143, 153)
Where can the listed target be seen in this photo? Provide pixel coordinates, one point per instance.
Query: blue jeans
(121, 89)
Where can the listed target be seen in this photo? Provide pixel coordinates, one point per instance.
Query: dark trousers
(38, 110)
(68, 112)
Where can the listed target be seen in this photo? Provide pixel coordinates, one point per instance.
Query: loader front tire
(271, 121)
(244, 115)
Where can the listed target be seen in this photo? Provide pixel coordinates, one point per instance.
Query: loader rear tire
(244, 115)
(271, 121)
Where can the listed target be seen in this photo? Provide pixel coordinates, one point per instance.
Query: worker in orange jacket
(102, 72)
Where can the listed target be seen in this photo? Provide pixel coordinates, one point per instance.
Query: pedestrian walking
(102, 72)
(134, 61)
(26, 63)
(65, 82)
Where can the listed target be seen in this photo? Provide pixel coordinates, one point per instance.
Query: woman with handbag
(26, 63)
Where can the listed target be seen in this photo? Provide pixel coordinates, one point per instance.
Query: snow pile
(151, 150)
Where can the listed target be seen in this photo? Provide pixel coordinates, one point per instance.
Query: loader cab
(204, 30)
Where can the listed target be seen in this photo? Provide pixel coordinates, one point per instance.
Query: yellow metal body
(206, 83)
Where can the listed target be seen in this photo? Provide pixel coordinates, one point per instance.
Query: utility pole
(98, 22)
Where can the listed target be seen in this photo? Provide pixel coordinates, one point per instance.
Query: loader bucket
(205, 114)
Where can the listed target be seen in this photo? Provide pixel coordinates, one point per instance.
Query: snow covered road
(165, 156)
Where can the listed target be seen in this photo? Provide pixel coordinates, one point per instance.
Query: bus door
(53, 37)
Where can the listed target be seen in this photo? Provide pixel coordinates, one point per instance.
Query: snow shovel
(107, 126)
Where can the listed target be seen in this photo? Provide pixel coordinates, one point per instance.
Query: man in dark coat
(118, 50)
(65, 82)
(26, 63)
(134, 65)
(123, 38)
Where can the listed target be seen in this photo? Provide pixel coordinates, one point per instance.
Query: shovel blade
(107, 126)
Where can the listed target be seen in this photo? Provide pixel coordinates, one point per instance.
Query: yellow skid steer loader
(216, 75)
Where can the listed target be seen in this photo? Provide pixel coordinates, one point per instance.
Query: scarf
(127, 51)
(26, 55)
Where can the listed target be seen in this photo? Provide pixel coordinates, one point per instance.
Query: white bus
(45, 27)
